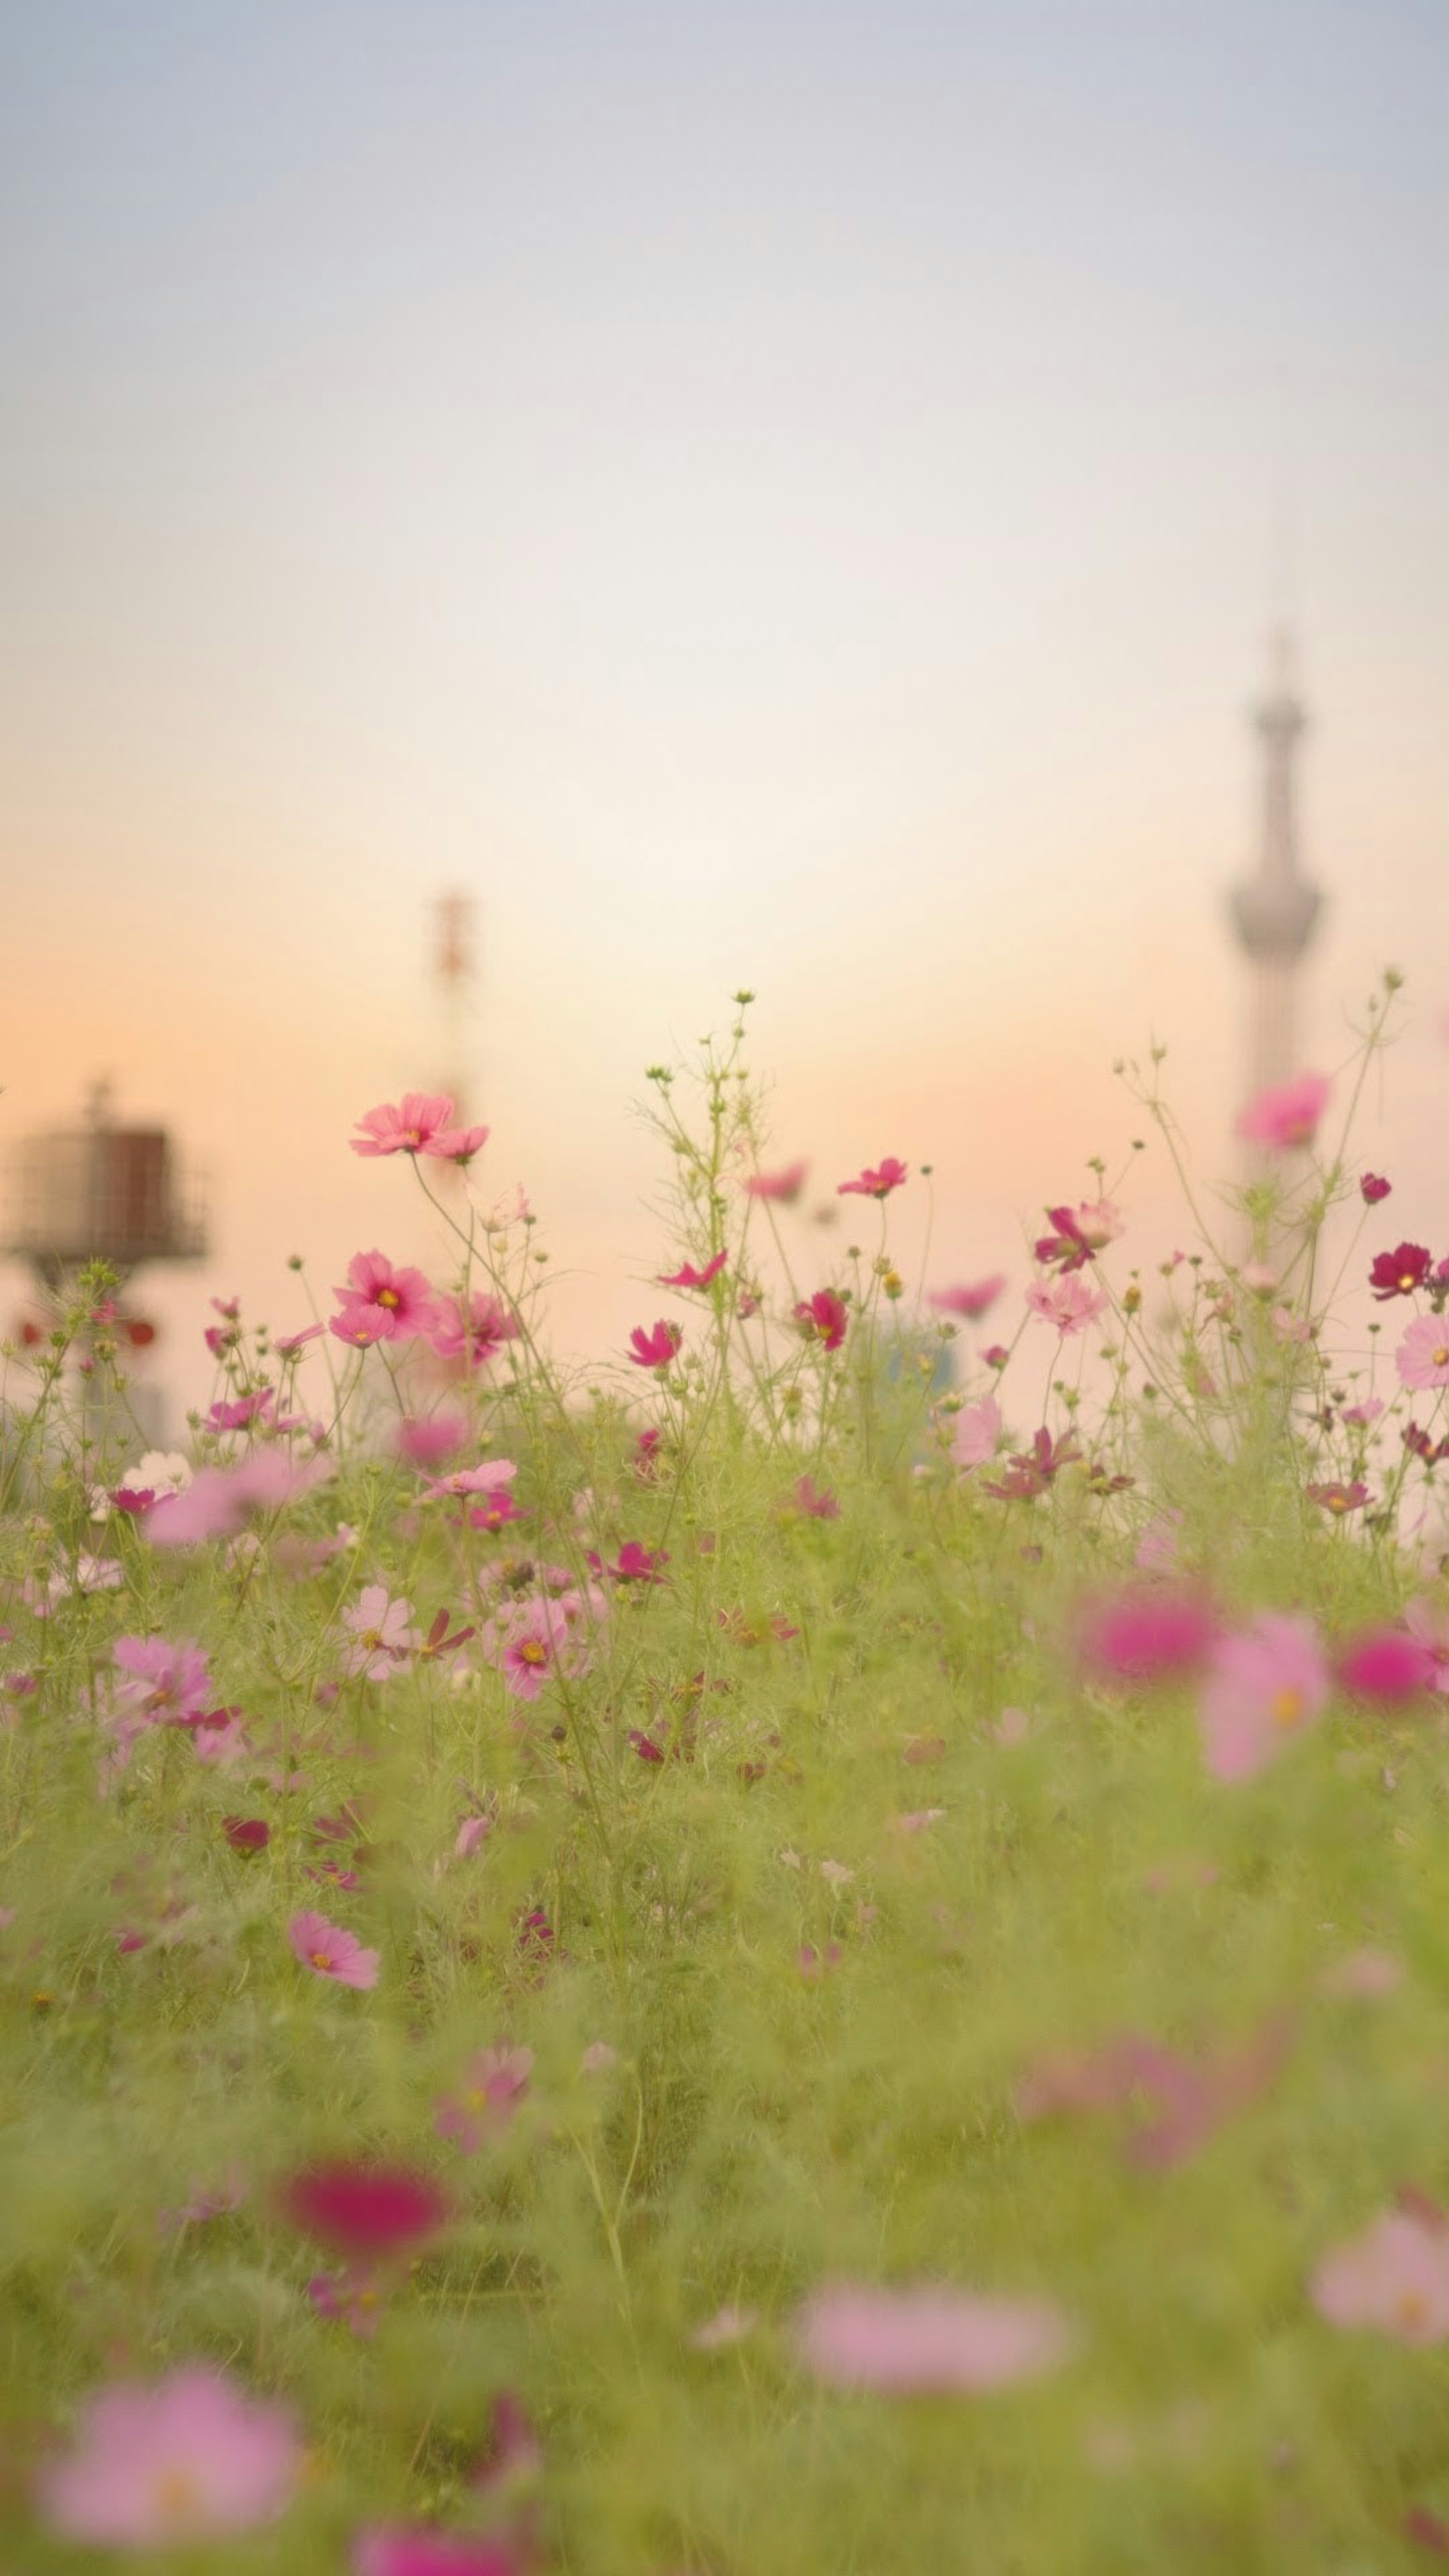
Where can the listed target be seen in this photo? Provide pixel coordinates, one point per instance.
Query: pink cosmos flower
(785, 1185)
(171, 2465)
(1066, 1301)
(477, 1335)
(815, 1502)
(1364, 1413)
(1185, 2100)
(1080, 1233)
(1286, 1116)
(383, 1633)
(1422, 1357)
(1394, 2278)
(877, 1184)
(490, 1476)
(416, 1125)
(530, 1651)
(1266, 1685)
(353, 2297)
(166, 1685)
(364, 2210)
(394, 1305)
(392, 2550)
(493, 2087)
(636, 1563)
(975, 1298)
(1338, 1498)
(823, 1318)
(332, 1952)
(1400, 1272)
(727, 2326)
(913, 2342)
(654, 1350)
(241, 1412)
(689, 1277)
(459, 1145)
(977, 1432)
(1374, 1188)
(287, 1345)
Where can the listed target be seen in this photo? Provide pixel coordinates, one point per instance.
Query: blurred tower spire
(453, 960)
(1275, 909)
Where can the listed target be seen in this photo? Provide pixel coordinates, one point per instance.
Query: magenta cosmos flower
(1400, 1272)
(420, 1123)
(973, 1298)
(1287, 1115)
(492, 2089)
(1422, 1358)
(1265, 1686)
(911, 2342)
(531, 1649)
(476, 1333)
(1144, 1632)
(329, 1951)
(1066, 1301)
(823, 1318)
(1374, 1188)
(1394, 2278)
(1386, 1664)
(785, 1185)
(391, 2550)
(654, 1350)
(688, 1277)
(364, 2210)
(392, 1305)
(185, 2460)
(875, 1184)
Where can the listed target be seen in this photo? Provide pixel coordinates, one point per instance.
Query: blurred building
(1276, 910)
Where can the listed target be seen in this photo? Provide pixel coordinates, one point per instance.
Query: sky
(789, 496)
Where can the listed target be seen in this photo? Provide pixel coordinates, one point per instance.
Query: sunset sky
(789, 495)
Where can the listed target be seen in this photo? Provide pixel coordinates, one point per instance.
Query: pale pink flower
(785, 1185)
(165, 1685)
(1422, 1358)
(493, 2087)
(353, 2298)
(1265, 1686)
(417, 1124)
(171, 2465)
(529, 1650)
(1364, 1413)
(1287, 1115)
(598, 2058)
(425, 1440)
(490, 1476)
(330, 1951)
(394, 1305)
(876, 1182)
(1363, 1976)
(977, 1432)
(1012, 1727)
(1394, 2279)
(725, 2327)
(1428, 1622)
(1066, 1301)
(472, 1834)
(383, 1633)
(912, 2342)
(219, 1500)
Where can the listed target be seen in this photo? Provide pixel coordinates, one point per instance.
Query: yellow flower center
(175, 2495)
(412, 1136)
(388, 1297)
(531, 1652)
(1287, 1707)
(1440, 1355)
(1412, 2308)
(321, 1958)
(1338, 1502)
(1407, 1280)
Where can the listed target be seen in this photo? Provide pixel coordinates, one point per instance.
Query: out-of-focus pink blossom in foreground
(1267, 1684)
(972, 1299)
(382, 1632)
(688, 1277)
(492, 2089)
(165, 1684)
(1144, 1633)
(1386, 1664)
(392, 2550)
(490, 1476)
(815, 1501)
(366, 2211)
(1286, 1116)
(875, 1182)
(330, 1951)
(220, 1500)
(477, 1333)
(1394, 2279)
(185, 2460)
(1067, 1302)
(913, 2342)
(977, 1433)
(425, 1440)
(785, 1185)
(1428, 1624)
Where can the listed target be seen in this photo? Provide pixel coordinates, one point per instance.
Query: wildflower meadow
(818, 1952)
